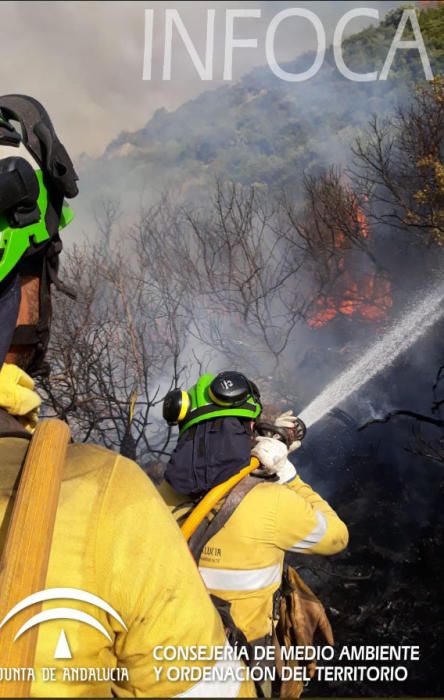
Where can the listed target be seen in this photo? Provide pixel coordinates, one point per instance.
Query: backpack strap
(208, 528)
(204, 532)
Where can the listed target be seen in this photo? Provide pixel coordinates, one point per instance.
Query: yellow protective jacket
(115, 538)
(243, 562)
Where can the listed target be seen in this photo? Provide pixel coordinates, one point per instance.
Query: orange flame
(366, 297)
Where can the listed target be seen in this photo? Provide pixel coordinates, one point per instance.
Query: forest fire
(365, 295)
(369, 299)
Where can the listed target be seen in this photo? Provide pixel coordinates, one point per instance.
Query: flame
(366, 296)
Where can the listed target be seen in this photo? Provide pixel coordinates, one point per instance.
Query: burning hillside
(365, 295)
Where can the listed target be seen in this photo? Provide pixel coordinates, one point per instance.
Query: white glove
(273, 456)
(288, 420)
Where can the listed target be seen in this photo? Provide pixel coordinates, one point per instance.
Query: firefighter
(243, 562)
(114, 537)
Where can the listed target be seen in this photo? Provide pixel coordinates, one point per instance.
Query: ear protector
(227, 390)
(176, 406)
(231, 389)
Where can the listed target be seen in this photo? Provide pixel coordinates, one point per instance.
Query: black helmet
(32, 211)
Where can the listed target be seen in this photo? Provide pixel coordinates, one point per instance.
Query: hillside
(264, 130)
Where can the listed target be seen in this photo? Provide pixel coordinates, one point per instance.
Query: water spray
(407, 330)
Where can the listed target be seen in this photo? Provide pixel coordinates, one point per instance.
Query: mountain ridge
(266, 131)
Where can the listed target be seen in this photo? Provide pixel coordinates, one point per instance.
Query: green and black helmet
(213, 396)
(32, 209)
(16, 241)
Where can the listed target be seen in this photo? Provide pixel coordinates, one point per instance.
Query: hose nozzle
(285, 435)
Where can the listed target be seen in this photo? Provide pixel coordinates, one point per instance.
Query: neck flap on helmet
(208, 454)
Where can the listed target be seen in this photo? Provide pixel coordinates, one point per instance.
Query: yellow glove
(17, 395)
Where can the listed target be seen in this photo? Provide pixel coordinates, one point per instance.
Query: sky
(84, 60)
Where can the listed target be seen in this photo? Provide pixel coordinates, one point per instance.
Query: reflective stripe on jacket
(243, 562)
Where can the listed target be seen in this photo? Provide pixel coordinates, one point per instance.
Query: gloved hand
(289, 421)
(273, 456)
(17, 395)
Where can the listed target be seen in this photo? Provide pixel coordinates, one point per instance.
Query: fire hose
(212, 497)
(208, 502)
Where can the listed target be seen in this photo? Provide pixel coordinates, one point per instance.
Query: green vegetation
(264, 130)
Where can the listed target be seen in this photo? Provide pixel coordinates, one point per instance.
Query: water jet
(407, 330)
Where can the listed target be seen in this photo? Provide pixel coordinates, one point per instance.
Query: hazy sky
(84, 60)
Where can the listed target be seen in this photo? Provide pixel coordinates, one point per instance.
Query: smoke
(84, 61)
(383, 353)
(258, 129)
(373, 478)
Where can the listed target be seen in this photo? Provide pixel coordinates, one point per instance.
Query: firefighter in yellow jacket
(242, 563)
(114, 541)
